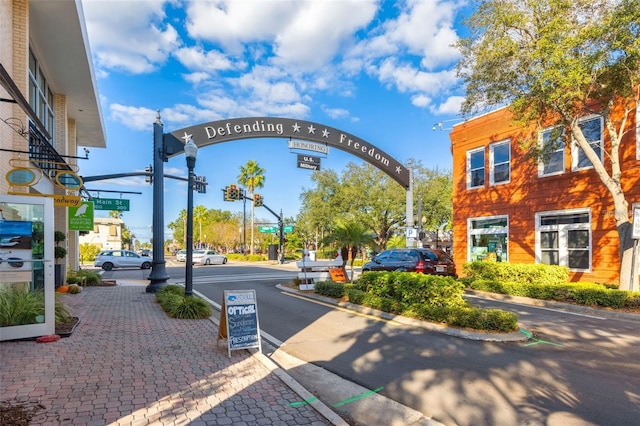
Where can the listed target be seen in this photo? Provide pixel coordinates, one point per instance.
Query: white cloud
(195, 58)
(136, 118)
(336, 113)
(421, 101)
(319, 31)
(450, 106)
(129, 36)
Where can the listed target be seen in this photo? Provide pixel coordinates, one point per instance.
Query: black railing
(43, 155)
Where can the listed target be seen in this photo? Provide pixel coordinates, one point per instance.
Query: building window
(489, 239)
(552, 147)
(592, 130)
(475, 168)
(113, 230)
(500, 162)
(40, 95)
(564, 238)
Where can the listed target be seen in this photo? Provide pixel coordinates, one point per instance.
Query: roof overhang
(59, 37)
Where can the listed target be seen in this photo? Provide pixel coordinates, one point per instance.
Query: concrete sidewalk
(128, 363)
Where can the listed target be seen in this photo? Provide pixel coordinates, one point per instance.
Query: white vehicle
(109, 259)
(181, 256)
(208, 257)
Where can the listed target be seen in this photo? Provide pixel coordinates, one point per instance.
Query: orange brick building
(510, 208)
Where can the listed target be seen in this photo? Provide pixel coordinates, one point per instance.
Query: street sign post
(111, 204)
(268, 229)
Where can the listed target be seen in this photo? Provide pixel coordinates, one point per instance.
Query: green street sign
(268, 229)
(81, 218)
(288, 228)
(111, 204)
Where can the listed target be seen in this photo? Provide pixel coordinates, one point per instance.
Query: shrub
(74, 289)
(518, 273)
(191, 307)
(83, 277)
(329, 289)
(18, 307)
(177, 305)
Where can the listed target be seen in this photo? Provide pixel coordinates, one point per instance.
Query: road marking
(538, 307)
(339, 308)
(537, 341)
(338, 404)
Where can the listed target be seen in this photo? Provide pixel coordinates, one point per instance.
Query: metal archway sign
(274, 127)
(166, 145)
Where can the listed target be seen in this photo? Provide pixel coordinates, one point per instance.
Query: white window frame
(561, 148)
(575, 149)
(563, 249)
(469, 170)
(487, 231)
(493, 164)
(41, 95)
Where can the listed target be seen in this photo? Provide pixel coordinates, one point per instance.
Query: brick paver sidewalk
(128, 363)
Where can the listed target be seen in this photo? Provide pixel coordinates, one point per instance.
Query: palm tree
(199, 215)
(251, 177)
(350, 236)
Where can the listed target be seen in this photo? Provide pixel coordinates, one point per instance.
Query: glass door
(27, 299)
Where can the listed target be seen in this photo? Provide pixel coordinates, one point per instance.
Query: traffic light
(149, 177)
(234, 194)
(228, 194)
(257, 200)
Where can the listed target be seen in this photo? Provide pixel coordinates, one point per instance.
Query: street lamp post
(190, 152)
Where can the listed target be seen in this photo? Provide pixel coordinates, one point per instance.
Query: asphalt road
(578, 368)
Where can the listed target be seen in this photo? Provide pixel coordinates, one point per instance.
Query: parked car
(421, 260)
(109, 259)
(208, 257)
(145, 252)
(181, 256)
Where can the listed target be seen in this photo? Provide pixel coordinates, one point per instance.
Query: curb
(273, 368)
(450, 331)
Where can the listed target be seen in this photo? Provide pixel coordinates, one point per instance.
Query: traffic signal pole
(278, 216)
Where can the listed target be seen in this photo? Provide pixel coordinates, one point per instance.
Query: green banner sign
(268, 229)
(111, 204)
(81, 217)
(288, 228)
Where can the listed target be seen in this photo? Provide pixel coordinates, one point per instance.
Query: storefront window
(488, 239)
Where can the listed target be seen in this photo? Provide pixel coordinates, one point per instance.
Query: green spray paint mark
(529, 335)
(301, 403)
(357, 397)
(337, 404)
(538, 342)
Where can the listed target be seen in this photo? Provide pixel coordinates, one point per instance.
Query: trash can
(273, 252)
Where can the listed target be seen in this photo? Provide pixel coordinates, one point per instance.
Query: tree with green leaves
(200, 215)
(350, 236)
(251, 177)
(555, 61)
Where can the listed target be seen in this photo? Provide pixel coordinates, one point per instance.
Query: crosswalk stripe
(242, 277)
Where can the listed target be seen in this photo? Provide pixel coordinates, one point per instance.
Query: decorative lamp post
(190, 152)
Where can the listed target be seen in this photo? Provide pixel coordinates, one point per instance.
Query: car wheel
(146, 265)
(107, 266)
(207, 262)
(224, 261)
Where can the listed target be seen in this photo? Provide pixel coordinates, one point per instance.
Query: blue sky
(381, 70)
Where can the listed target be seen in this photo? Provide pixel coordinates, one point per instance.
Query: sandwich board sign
(239, 320)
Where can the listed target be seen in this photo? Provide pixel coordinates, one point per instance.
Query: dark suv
(421, 260)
